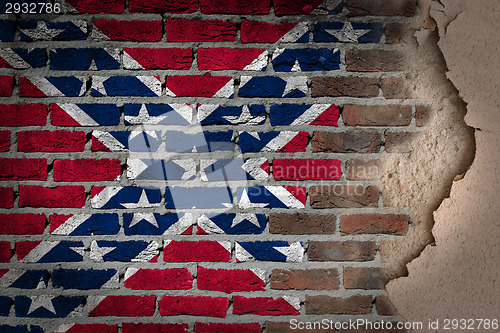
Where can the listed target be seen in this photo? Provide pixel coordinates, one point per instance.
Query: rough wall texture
(218, 166)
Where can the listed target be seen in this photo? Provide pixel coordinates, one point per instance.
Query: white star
(97, 253)
(293, 253)
(42, 32)
(98, 84)
(239, 218)
(142, 203)
(347, 33)
(42, 301)
(244, 118)
(144, 118)
(138, 217)
(245, 201)
(93, 66)
(295, 82)
(296, 66)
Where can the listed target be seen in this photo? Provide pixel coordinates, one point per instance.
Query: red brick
(422, 115)
(194, 306)
(22, 224)
(345, 86)
(23, 169)
(227, 58)
(133, 31)
(362, 169)
(377, 115)
(162, 6)
(301, 224)
(374, 224)
(244, 7)
(263, 32)
(181, 30)
(154, 328)
(228, 280)
(374, 60)
(13, 115)
(86, 170)
(172, 58)
(295, 7)
(306, 169)
(346, 142)
(322, 304)
(125, 306)
(6, 197)
(263, 306)
(380, 7)
(200, 251)
(316, 279)
(363, 278)
(5, 251)
(6, 85)
(4, 141)
(57, 197)
(396, 88)
(384, 306)
(57, 141)
(227, 328)
(400, 142)
(344, 196)
(398, 33)
(196, 85)
(99, 6)
(151, 279)
(341, 251)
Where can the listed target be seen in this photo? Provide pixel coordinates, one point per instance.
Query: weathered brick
(297, 224)
(344, 196)
(6, 197)
(322, 304)
(243, 7)
(23, 169)
(57, 197)
(422, 115)
(384, 306)
(148, 58)
(4, 141)
(47, 141)
(341, 251)
(153, 328)
(345, 86)
(399, 33)
(235, 59)
(265, 306)
(316, 279)
(153, 279)
(264, 32)
(227, 328)
(362, 170)
(14, 115)
(306, 169)
(22, 224)
(200, 86)
(400, 142)
(396, 88)
(122, 306)
(5, 251)
(6, 85)
(194, 306)
(374, 60)
(98, 6)
(133, 31)
(230, 280)
(295, 7)
(181, 30)
(391, 224)
(185, 251)
(86, 170)
(381, 7)
(377, 115)
(363, 278)
(161, 6)
(346, 142)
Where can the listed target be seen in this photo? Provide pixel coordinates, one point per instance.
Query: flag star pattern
(189, 166)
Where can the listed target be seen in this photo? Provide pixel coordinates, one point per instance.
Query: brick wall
(182, 166)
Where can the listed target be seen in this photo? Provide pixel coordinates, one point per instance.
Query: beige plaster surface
(458, 276)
